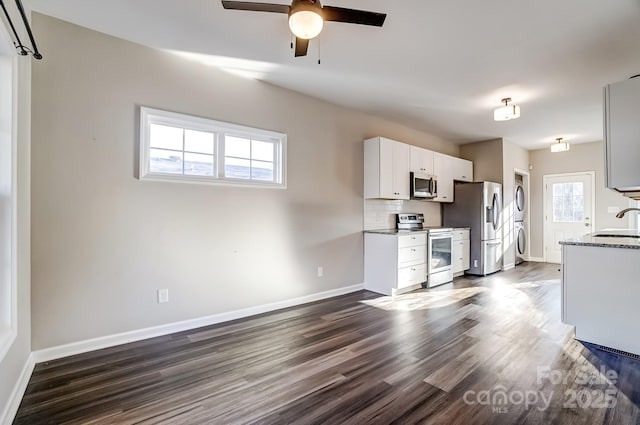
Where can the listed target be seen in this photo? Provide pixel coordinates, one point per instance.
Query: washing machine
(519, 201)
(521, 242)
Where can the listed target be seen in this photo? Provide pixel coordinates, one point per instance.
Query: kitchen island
(601, 288)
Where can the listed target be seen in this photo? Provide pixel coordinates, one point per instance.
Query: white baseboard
(11, 408)
(506, 267)
(536, 259)
(79, 347)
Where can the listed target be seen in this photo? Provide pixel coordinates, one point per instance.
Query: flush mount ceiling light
(506, 112)
(560, 146)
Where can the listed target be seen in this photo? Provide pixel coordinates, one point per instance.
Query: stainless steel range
(439, 247)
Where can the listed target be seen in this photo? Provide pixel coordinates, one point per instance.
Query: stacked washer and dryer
(520, 216)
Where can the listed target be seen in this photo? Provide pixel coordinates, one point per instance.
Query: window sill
(179, 178)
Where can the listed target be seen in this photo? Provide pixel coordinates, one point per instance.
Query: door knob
(586, 224)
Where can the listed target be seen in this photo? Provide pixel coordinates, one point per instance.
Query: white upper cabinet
(387, 164)
(443, 170)
(386, 169)
(622, 134)
(421, 160)
(462, 170)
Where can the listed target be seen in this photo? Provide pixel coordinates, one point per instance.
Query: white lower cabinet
(394, 263)
(460, 251)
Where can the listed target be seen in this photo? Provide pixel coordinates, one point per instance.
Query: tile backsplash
(380, 213)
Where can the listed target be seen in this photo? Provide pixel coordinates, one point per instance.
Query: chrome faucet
(626, 210)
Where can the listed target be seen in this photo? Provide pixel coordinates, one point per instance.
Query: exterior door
(569, 210)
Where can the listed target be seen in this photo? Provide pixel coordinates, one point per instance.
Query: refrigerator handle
(496, 212)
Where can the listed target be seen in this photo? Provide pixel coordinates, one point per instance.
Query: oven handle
(441, 236)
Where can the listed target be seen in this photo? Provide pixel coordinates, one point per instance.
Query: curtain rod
(22, 49)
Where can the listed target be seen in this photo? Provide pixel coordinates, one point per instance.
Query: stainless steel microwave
(423, 186)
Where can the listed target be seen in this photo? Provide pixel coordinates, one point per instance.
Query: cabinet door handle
(413, 249)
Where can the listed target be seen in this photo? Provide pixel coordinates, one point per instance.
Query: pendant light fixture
(560, 146)
(506, 112)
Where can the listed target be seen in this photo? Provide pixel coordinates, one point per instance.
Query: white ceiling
(439, 66)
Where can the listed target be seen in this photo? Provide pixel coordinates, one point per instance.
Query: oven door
(439, 258)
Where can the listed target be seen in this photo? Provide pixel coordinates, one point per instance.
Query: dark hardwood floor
(480, 350)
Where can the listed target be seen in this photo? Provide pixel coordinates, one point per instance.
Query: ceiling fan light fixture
(506, 112)
(560, 146)
(305, 24)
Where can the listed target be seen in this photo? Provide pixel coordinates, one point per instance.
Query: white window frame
(220, 129)
(9, 306)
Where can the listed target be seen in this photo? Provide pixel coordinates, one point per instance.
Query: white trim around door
(545, 188)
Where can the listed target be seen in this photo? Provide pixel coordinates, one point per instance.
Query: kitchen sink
(609, 235)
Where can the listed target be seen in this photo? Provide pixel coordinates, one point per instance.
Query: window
(568, 202)
(184, 148)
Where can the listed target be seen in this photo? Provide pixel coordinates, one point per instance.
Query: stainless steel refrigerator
(479, 207)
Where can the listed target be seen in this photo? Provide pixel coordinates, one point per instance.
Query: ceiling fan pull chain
(318, 50)
(291, 40)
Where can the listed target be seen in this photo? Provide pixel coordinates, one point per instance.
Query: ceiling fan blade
(302, 45)
(256, 7)
(352, 16)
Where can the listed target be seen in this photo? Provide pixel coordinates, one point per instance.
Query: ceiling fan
(307, 17)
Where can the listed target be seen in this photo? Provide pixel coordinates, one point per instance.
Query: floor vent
(620, 352)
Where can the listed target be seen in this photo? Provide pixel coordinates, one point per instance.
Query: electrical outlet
(163, 296)
(320, 271)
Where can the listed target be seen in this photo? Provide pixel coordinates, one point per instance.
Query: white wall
(103, 241)
(582, 157)
(11, 366)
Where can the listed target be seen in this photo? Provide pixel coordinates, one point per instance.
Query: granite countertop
(619, 238)
(405, 232)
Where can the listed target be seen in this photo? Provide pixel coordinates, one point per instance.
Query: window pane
(568, 215)
(578, 188)
(261, 170)
(557, 215)
(557, 189)
(568, 202)
(557, 202)
(165, 137)
(198, 141)
(568, 188)
(236, 146)
(237, 168)
(578, 202)
(198, 164)
(578, 215)
(163, 161)
(262, 151)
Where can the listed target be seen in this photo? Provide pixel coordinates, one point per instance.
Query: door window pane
(568, 202)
